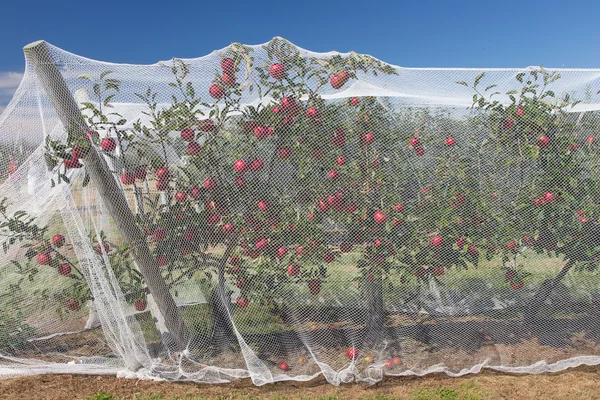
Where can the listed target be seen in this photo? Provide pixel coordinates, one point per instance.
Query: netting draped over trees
(273, 213)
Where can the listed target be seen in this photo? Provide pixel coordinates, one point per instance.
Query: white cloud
(9, 81)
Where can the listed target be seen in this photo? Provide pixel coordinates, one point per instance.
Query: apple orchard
(266, 203)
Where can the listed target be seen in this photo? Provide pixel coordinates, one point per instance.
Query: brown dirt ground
(577, 383)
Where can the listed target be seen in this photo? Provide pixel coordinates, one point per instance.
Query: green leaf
(463, 83)
(478, 78)
(103, 74)
(189, 90)
(520, 76)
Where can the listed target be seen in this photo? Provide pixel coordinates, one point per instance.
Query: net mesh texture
(278, 214)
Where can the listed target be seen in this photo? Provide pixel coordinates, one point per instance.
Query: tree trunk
(92, 321)
(38, 55)
(223, 332)
(545, 291)
(375, 319)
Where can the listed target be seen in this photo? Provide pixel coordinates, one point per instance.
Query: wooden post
(39, 57)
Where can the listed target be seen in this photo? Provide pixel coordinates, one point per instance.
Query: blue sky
(439, 33)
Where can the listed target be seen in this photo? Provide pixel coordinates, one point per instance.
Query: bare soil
(578, 383)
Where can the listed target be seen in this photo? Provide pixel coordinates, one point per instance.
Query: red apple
(379, 217)
(72, 304)
(228, 79)
(58, 240)
(162, 174)
(289, 104)
(239, 181)
(543, 141)
(257, 164)
(472, 250)
(368, 138)
(216, 91)
(284, 152)
(399, 207)
(240, 166)
(590, 139)
(213, 219)
(396, 361)
(44, 258)
(414, 142)
(207, 125)
(352, 353)
(573, 147)
(140, 304)
(354, 101)
(293, 270)
(339, 79)
(450, 141)
(439, 270)
(511, 245)
(262, 244)
(328, 258)
(277, 71)
(242, 302)
(104, 248)
(263, 205)
(312, 113)
(436, 241)
(284, 366)
(341, 160)
(70, 163)
(210, 183)
(161, 186)
(389, 364)
(195, 193)
(159, 234)
(64, 269)
(549, 197)
(193, 149)
(228, 228)
(323, 205)
(261, 132)
(128, 178)
(516, 285)
(228, 65)
(180, 197)
(108, 144)
(333, 174)
(188, 134)
(419, 151)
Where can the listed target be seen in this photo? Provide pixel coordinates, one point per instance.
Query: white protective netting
(273, 213)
